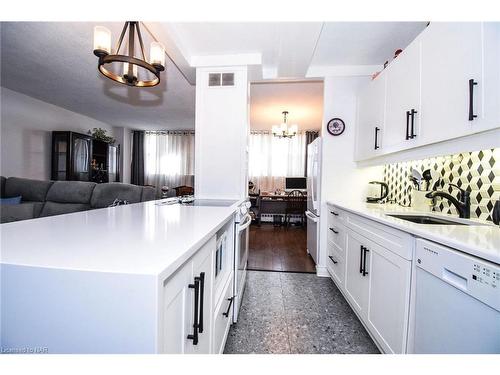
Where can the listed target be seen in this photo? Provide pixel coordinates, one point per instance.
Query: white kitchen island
(113, 280)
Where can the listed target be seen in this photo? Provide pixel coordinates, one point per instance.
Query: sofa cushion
(2, 186)
(30, 190)
(148, 193)
(18, 212)
(71, 192)
(10, 201)
(105, 194)
(56, 208)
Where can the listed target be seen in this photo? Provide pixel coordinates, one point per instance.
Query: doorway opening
(285, 118)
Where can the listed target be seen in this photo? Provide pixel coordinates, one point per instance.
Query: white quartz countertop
(143, 238)
(482, 241)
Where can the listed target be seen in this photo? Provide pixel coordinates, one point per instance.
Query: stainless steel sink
(433, 220)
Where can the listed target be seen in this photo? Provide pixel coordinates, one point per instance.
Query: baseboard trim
(321, 271)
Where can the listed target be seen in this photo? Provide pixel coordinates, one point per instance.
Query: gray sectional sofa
(48, 198)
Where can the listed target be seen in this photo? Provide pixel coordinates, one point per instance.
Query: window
(271, 159)
(169, 158)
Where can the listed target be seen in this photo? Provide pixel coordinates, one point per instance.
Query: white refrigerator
(313, 197)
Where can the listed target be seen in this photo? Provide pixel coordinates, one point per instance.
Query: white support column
(221, 135)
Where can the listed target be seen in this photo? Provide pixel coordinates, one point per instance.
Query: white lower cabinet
(388, 298)
(375, 278)
(187, 301)
(377, 283)
(356, 283)
(195, 319)
(177, 312)
(223, 314)
(335, 264)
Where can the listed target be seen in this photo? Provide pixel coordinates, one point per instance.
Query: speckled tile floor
(296, 313)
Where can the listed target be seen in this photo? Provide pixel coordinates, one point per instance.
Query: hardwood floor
(279, 249)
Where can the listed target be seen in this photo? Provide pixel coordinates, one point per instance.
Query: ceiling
(363, 43)
(54, 62)
(295, 49)
(303, 101)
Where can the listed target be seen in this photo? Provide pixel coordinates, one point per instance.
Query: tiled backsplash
(477, 172)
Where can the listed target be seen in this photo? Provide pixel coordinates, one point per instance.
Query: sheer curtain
(271, 159)
(169, 159)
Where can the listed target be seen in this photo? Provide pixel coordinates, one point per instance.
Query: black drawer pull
(376, 138)
(361, 251)
(202, 292)
(412, 131)
(364, 261)
(334, 231)
(333, 260)
(334, 213)
(226, 314)
(407, 125)
(196, 287)
(472, 116)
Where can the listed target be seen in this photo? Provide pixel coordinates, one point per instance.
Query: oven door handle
(246, 224)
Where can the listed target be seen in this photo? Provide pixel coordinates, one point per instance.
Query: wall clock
(335, 126)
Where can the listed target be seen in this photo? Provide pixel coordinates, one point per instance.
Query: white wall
(221, 136)
(25, 131)
(341, 180)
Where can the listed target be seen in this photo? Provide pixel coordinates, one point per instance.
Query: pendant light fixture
(283, 130)
(128, 69)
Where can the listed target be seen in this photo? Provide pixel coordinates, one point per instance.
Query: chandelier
(283, 130)
(125, 67)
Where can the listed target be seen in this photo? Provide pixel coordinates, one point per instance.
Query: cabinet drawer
(397, 241)
(336, 234)
(223, 317)
(336, 216)
(336, 263)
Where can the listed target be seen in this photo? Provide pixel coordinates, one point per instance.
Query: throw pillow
(10, 201)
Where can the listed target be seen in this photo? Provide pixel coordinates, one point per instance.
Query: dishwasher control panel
(486, 275)
(474, 276)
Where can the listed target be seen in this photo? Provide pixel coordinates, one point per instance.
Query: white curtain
(169, 159)
(271, 159)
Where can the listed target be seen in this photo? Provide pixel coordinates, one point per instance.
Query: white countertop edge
(423, 231)
(162, 272)
(165, 273)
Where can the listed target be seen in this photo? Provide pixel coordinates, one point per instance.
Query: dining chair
(295, 206)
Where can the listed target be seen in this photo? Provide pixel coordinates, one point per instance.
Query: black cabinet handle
(202, 292)
(196, 287)
(472, 83)
(407, 125)
(412, 131)
(376, 138)
(333, 260)
(334, 231)
(365, 251)
(361, 252)
(226, 314)
(334, 213)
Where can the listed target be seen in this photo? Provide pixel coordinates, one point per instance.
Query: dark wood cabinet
(79, 157)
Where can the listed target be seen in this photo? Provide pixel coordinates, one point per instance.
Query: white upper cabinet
(489, 108)
(402, 114)
(444, 85)
(371, 118)
(451, 57)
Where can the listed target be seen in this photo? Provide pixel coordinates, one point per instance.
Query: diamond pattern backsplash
(477, 172)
